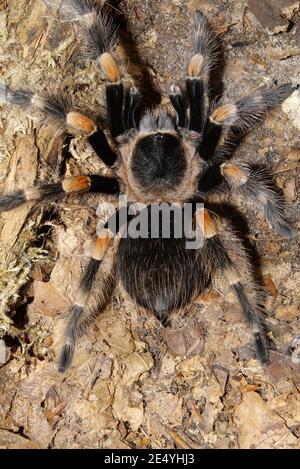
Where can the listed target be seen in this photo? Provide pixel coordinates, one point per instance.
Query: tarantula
(156, 157)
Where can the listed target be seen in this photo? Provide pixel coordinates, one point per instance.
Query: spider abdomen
(161, 275)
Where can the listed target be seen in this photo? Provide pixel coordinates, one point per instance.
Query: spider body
(161, 158)
(154, 272)
(158, 161)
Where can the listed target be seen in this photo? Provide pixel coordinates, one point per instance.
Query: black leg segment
(195, 93)
(100, 145)
(114, 103)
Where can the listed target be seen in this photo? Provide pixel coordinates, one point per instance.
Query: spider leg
(207, 49)
(224, 257)
(66, 186)
(100, 34)
(102, 148)
(96, 285)
(57, 111)
(132, 100)
(195, 94)
(214, 129)
(177, 99)
(54, 108)
(256, 185)
(227, 123)
(121, 104)
(95, 289)
(253, 109)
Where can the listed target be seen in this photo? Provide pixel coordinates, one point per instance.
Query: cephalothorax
(158, 158)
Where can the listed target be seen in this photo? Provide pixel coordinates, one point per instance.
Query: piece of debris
(288, 313)
(259, 426)
(282, 53)
(270, 285)
(186, 341)
(3, 352)
(290, 11)
(272, 14)
(291, 107)
(47, 300)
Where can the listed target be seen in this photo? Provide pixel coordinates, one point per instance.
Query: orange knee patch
(208, 222)
(195, 66)
(222, 113)
(80, 122)
(237, 175)
(110, 67)
(76, 184)
(101, 246)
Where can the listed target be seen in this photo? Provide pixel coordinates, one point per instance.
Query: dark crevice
(290, 26)
(19, 432)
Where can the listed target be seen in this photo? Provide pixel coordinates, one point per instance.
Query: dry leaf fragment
(288, 312)
(290, 11)
(282, 53)
(207, 297)
(257, 59)
(259, 427)
(250, 388)
(178, 440)
(47, 299)
(54, 414)
(291, 107)
(294, 154)
(270, 285)
(290, 190)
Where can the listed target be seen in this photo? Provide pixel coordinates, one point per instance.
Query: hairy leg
(227, 123)
(67, 186)
(96, 284)
(224, 258)
(94, 292)
(101, 39)
(206, 46)
(58, 112)
(256, 185)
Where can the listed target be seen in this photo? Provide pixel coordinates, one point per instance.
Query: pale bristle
(232, 275)
(75, 10)
(33, 193)
(38, 101)
(55, 106)
(100, 34)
